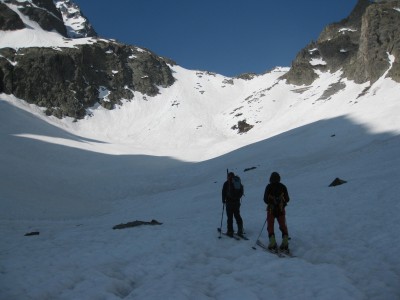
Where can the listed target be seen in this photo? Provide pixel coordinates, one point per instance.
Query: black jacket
(225, 189)
(275, 190)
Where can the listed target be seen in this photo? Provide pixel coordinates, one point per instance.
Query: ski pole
(223, 209)
(222, 216)
(254, 247)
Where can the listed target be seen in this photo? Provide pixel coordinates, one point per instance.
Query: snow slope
(165, 158)
(74, 181)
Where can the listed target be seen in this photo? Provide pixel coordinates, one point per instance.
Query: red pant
(281, 221)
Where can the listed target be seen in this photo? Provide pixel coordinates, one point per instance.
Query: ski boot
(272, 244)
(229, 233)
(284, 247)
(240, 231)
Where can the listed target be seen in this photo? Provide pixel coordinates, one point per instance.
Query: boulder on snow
(242, 126)
(337, 181)
(136, 223)
(249, 169)
(32, 233)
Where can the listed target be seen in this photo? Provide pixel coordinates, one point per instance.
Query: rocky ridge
(359, 45)
(76, 23)
(103, 72)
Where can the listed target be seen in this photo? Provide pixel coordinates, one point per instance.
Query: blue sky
(228, 37)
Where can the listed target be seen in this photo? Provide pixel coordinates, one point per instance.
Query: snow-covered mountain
(357, 45)
(81, 68)
(35, 42)
(77, 24)
(165, 156)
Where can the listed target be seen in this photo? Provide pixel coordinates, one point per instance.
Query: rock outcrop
(67, 81)
(359, 45)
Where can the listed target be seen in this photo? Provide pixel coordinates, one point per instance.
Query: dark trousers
(281, 218)
(233, 210)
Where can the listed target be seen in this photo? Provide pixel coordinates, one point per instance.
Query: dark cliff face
(9, 20)
(359, 45)
(67, 81)
(43, 12)
(379, 37)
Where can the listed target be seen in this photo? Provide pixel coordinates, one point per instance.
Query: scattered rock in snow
(32, 233)
(136, 223)
(242, 126)
(249, 169)
(337, 181)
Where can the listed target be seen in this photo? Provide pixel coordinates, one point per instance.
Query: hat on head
(275, 177)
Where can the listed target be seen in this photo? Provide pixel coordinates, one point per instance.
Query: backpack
(276, 199)
(276, 203)
(237, 191)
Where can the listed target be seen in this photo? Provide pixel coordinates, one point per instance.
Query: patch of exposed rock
(68, 81)
(359, 45)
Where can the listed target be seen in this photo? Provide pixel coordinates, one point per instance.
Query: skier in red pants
(276, 197)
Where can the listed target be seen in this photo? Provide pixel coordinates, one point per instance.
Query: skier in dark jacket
(231, 198)
(276, 197)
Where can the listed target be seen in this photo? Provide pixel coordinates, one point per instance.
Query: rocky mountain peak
(352, 23)
(76, 23)
(43, 12)
(91, 72)
(62, 16)
(359, 45)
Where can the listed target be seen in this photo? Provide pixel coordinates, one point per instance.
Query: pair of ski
(235, 236)
(277, 252)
